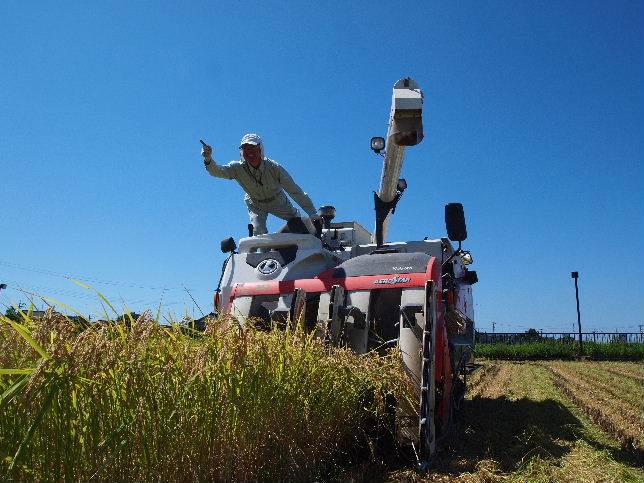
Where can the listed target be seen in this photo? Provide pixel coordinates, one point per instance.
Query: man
(264, 182)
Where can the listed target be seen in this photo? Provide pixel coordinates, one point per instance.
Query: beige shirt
(264, 184)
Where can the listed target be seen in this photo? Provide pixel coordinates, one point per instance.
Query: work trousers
(258, 212)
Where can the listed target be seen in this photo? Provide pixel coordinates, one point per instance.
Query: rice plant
(139, 401)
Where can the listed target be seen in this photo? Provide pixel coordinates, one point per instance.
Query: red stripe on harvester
(325, 281)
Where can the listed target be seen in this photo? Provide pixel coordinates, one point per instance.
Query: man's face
(252, 154)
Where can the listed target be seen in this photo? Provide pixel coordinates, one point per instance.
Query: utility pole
(493, 325)
(3, 286)
(575, 275)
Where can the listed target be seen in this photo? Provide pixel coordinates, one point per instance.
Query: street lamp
(575, 275)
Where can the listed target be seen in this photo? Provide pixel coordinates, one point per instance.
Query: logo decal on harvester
(391, 281)
(268, 266)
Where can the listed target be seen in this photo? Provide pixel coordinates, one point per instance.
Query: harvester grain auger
(357, 290)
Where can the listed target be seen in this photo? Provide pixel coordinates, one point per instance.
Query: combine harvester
(359, 291)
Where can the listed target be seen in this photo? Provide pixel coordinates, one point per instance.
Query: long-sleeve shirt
(263, 184)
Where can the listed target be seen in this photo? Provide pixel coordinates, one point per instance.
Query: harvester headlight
(466, 258)
(377, 144)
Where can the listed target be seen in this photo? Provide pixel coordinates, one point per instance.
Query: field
(547, 421)
(138, 403)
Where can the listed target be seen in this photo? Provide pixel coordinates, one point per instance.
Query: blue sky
(534, 120)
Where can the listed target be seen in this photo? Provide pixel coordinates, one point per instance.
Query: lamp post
(575, 275)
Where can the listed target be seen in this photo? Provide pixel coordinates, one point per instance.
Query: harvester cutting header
(357, 290)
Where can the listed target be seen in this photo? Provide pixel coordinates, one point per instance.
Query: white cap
(251, 139)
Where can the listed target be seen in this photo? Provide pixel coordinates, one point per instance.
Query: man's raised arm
(213, 168)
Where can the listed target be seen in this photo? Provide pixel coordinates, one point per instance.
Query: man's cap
(250, 139)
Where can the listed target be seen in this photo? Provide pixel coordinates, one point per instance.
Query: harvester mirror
(455, 222)
(228, 245)
(466, 257)
(377, 144)
(401, 185)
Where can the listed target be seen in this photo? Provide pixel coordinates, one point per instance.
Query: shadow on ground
(506, 432)
(509, 433)
(512, 432)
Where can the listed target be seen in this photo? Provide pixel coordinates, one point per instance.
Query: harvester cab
(355, 289)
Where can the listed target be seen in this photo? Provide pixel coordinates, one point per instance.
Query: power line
(60, 292)
(44, 291)
(89, 279)
(38, 291)
(85, 297)
(74, 292)
(65, 292)
(145, 303)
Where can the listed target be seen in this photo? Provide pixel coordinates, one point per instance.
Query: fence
(523, 337)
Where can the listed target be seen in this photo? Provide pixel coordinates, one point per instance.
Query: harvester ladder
(427, 437)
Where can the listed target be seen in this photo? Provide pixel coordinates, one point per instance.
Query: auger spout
(405, 129)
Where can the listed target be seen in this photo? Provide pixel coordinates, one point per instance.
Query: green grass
(560, 350)
(151, 403)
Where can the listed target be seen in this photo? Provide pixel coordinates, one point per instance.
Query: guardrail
(523, 337)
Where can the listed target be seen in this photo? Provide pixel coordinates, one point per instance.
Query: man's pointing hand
(206, 151)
